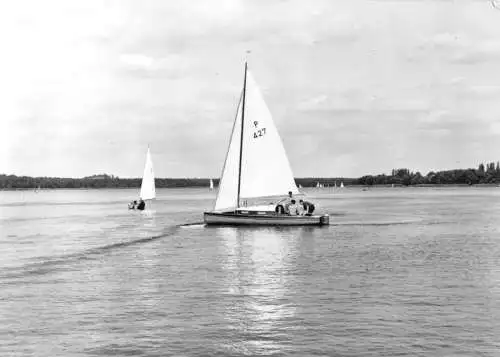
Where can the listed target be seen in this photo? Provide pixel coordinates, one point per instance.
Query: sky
(355, 87)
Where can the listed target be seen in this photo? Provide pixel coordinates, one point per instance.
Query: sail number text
(258, 132)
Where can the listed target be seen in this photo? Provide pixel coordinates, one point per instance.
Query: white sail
(211, 184)
(227, 196)
(265, 169)
(341, 184)
(148, 180)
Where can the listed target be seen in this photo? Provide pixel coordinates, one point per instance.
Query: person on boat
(141, 205)
(292, 209)
(281, 207)
(132, 205)
(308, 207)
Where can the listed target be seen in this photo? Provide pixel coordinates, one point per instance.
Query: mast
(241, 136)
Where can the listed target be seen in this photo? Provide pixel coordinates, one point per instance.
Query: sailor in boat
(308, 207)
(292, 209)
(141, 205)
(281, 207)
(132, 205)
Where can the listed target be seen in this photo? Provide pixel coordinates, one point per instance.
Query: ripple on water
(401, 273)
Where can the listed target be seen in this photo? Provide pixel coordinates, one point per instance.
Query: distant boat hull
(255, 218)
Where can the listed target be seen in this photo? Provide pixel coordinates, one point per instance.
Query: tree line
(95, 181)
(485, 174)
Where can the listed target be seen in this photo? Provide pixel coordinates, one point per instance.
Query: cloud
(352, 89)
(495, 128)
(478, 53)
(173, 66)
(460, 44)
(312, 103)
(137, 61)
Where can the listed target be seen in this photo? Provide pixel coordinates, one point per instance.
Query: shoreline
(202, 187)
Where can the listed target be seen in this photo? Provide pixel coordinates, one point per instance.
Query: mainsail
(211, 184)
(265, 169)
(148, 180)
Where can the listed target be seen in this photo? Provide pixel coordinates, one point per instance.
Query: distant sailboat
(256, 167)
(148, 191)
(211, 184)
(342, 184)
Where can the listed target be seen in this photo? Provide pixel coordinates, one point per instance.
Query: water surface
(403, 271)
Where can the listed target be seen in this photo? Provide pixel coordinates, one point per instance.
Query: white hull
(262, 219)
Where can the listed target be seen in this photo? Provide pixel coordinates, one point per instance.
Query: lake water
(399, 272)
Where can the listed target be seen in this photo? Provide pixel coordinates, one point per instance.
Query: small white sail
(211, 184)
(148, 191)
(342, 185)
(265, 169)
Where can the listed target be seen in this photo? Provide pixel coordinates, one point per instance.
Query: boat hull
(268, 219)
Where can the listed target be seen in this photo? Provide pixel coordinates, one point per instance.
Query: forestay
(148, 180)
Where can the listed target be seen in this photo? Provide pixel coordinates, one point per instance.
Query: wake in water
(50, 264)
(192, 225)
(365, 223)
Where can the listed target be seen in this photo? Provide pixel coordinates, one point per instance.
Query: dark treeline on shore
(484, 174)
(96, 181)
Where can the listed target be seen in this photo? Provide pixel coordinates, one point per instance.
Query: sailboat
(256, 167)
(148, 191)
(342, 184)
(211, 184)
